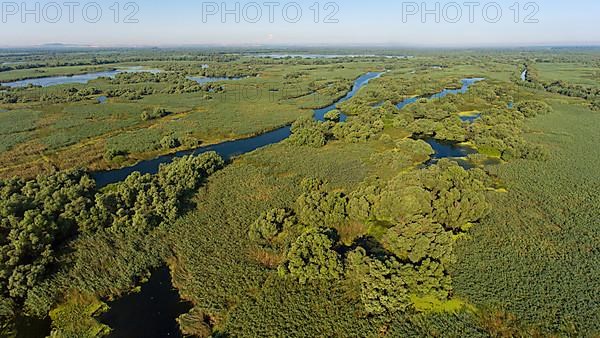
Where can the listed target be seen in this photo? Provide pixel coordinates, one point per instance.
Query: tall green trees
(146, 201)
(410, 224)
(316, 206)
(312, 256)
(307, 132)
(37, 216)
(270, 224)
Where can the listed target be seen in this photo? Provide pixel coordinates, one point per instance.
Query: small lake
(524, 75)
(31, 327)
(204, 80)
(470, 118)
(81, 78)
(150, 313)
(451, 150)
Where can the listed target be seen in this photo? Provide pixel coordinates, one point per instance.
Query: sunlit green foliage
(533, 108)
(37, 216)
(312, 257)
(154, 114)
(317, 207)
(405, 153)
(143, 202)
(307, 132)
(418, 241)
(333, 116)
(74, 317)
(40, 216)
(270, 224)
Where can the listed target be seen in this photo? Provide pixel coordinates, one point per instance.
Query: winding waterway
(228, 149)
(158, 304)
(80, 78)
(466, 83)
(152, 312)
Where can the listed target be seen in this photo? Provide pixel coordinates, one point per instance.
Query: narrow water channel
(152, 312)
(228, 149)
(447, 149)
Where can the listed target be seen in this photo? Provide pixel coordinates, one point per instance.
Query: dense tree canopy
(40, 216)
(146, 201)
(270, 224)
(312, 256)
(36, 217)
(417, 214)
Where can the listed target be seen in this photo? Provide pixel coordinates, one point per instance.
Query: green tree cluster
(358, 129)
(169, 142)
(155, 113)
(411, 224)
(318, 207)
(36, 218)
(313, 257)
(270, 224)
(130, 93)
(333, 116)
(499, 132)
(595, 105)
(445, 193)
(533, 108)
(70, 95)
(143, 202)
(307, 132)
(405, 153)
(382, 287)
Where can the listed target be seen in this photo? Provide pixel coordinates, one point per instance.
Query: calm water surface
(152, 312)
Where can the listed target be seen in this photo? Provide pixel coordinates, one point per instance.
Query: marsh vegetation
(414, 204)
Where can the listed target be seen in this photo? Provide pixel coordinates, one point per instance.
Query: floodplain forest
(445, 194)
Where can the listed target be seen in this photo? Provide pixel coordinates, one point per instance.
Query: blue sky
(376, 22)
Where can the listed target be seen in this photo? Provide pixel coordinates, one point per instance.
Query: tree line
(40, 217)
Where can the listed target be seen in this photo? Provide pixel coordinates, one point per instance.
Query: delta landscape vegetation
(354, 226)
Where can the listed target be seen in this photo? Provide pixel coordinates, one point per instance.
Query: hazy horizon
(183, 23)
